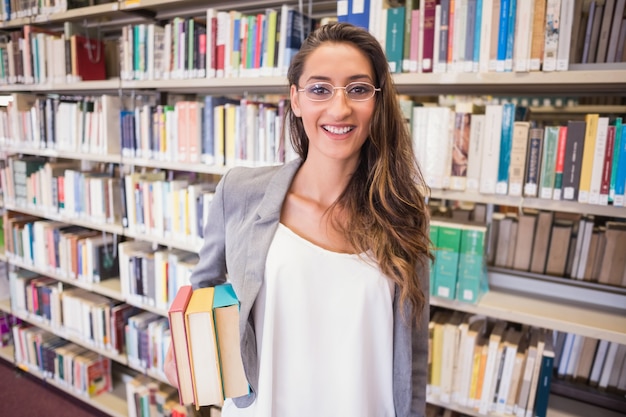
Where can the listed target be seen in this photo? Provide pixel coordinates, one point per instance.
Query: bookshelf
(514, 296)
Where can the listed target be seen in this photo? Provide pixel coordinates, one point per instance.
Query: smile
(337, 130)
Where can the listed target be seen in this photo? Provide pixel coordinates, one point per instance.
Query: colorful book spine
(506, 144)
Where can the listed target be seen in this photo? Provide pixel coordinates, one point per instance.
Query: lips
(338, 130)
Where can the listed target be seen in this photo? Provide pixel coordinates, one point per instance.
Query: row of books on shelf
(492, 366)
(115, 329)
(488, 149)
(492, 35)
(171, 206)
(35, 55)
(71, 252)
(11, 10)
(214, 44)
(80, 370)
(419, 36)
(584, 248)
(495, 150)
(214, 130)
(217, 44)
(149, 275)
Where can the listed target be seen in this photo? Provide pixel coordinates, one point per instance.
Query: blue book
(224, 296)
(545, 377)
(506, 142)
(447, 260)
(510, 39)
(359, 13)
(477, 34)
(470, 32)
(617, 145)
(503, 34)
(620, 175)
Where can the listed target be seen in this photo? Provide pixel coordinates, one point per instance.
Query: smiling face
(336, 128)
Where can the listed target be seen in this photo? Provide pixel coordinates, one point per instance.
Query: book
(572, 164)
(226, 317)
(545, 376)
(88, 63)
(203, 353)
(533, 162)
(176, 315)
(447, 253)
(591, 128)
(472, 273)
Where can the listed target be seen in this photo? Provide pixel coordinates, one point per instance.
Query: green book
(548, 161)
(434, 230)
(446, 266)
(472, 276)
(394, 41)
(616, 155)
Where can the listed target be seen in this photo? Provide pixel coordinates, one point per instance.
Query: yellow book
(203, 355)
(230, 133)
(440, 320)
(588, 153)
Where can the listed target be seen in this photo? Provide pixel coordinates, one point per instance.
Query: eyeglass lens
(357, 91)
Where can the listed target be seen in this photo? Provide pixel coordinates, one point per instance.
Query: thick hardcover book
(176, 315)
(226, 316)
(591, 127)
(87, 58)
(572, 163)
(203, 354)
(545, 377)
(560, 161)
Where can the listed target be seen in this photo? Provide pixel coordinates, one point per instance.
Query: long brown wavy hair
(386, 211)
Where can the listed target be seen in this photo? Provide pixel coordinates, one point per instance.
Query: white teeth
(338, 130)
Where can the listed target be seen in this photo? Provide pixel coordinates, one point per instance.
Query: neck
(323, 181)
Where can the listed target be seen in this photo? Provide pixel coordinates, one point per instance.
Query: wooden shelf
(547, 312)
(106, 227)
(592, 82)
(558, 406)
(529, 202)
(53, 153)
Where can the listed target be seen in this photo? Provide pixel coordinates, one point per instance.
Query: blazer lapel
(263, 228)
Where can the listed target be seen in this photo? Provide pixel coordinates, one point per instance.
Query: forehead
(337, 61)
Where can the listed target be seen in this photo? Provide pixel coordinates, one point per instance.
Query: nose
(339, 104)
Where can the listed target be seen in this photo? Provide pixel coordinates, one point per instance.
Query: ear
(295, 101)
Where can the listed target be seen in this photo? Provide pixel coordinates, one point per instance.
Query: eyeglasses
(322, 91)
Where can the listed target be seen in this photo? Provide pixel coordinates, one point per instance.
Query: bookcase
(519, 297)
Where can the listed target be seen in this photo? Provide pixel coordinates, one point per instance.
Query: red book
(87, 58)
(176, 315)
(429, 35)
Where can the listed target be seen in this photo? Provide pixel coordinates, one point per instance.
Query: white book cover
(565, 35)
(436, 164)
(474, 157)
(551, 38)
(485, 36)
(598, 160)
(523, 35)
(491, 149)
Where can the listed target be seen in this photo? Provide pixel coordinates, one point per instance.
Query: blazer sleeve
(420, 349)
(211, 268)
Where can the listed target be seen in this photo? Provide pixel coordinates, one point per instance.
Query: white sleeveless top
(324, 328)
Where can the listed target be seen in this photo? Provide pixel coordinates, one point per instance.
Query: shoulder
(247, 179)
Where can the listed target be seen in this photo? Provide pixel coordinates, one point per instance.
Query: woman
(328, 254)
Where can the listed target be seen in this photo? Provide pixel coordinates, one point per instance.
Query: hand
(170, 367)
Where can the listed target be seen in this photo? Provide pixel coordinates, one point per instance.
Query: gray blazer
(243, 218)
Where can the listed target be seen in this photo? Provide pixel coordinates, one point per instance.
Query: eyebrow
(355, 77)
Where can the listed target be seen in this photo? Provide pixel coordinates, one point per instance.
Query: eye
(359, 90)
(319, 90)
